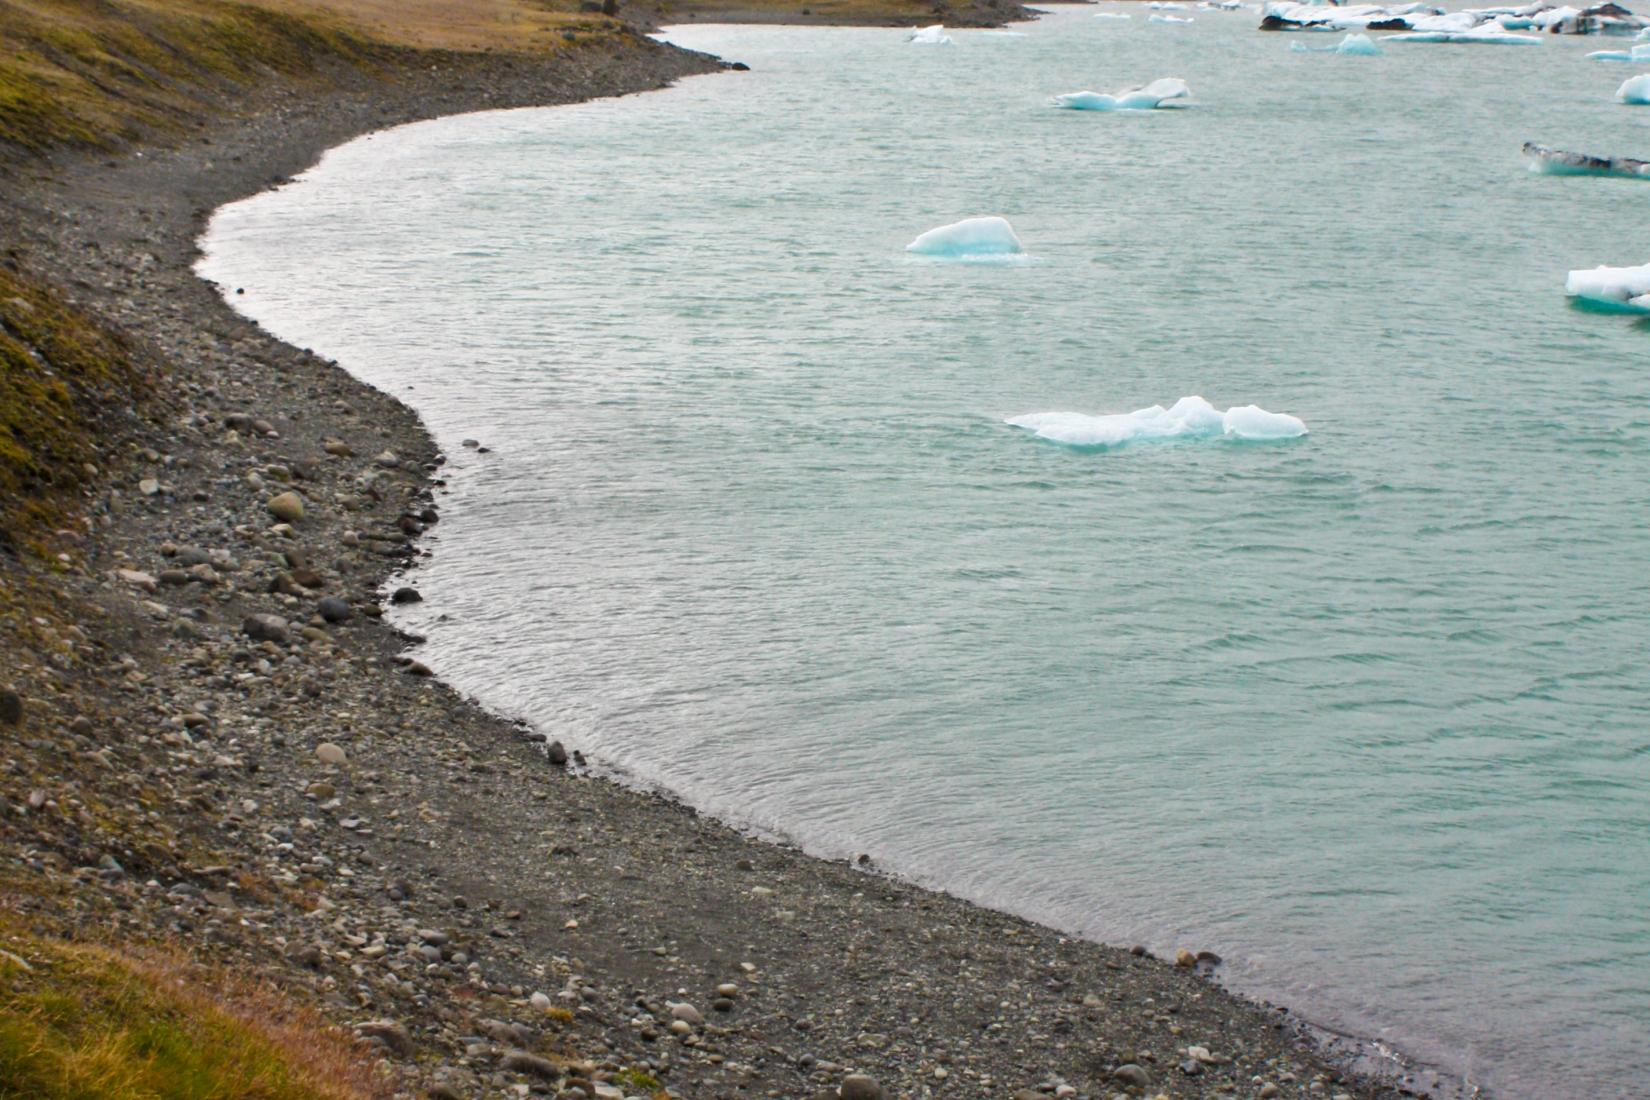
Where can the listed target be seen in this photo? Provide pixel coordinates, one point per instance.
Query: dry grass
(80, 1022)
(103, 72)
(507, 25)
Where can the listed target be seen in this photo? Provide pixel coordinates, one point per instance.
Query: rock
(148, 486)
(137, 579)
(558, 754)
(388, 1032)
(1208, 958)
(321, 791)
(540, 1001)
(1131, 1076)
(1191, 1067)
(727, 989)
(858, 1086)
(1268, 1090)
(686, 1013)
(519, 1061)
(336, 610)
(336, 447)
(1184, 958)
(264, 628)
(443, 1092)
(1201, 1054)
(328, 753)
(11, 707)
(1138, 951)
(288, 507)
(406, 595)
(388, 460)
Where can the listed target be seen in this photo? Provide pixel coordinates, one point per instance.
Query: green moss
(60, 377)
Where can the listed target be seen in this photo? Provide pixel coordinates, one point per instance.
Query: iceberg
(971, 238)
(1635, 89)
(1557, 162)
(1491, 34)
(1169, 19)
(1611, 289)
(929, 36)
(1358, 45)
(1188, 418)
(1353, 45)
(1147, 98)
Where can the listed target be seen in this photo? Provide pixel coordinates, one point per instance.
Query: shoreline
(631, 893)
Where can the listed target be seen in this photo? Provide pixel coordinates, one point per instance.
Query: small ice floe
(1353, 45)
(929, 36)
(1611, 289)
(1152, 96)
(1490, 34)
(1556, 162)
(1175, 19)
(1636, 55)
(1635, 90)
(1112, 15)
(989, 238)
(1188, 418)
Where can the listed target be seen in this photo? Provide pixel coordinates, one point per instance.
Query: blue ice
(969, 239)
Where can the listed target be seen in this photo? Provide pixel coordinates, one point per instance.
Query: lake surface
(1367, 712)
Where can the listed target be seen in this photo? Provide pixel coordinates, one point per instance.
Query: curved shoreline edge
(445, 839)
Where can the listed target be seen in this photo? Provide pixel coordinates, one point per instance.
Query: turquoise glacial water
(1367, 712)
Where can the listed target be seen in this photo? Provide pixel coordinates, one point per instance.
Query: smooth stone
(11, 708)
(1131, 1076)
(264, 628)
(287, 507)
(336, 610)
(148, 486)
(1184, 958)
(390, 1033)
(406, 595)
(1191, 1067)
(859, 1086)
(686, 1013)
(558, 754)
(328, 753)
(540, 1001)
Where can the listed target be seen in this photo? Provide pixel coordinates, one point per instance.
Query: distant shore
(312, 806)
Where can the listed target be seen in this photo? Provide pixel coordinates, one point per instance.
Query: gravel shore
(305, 801)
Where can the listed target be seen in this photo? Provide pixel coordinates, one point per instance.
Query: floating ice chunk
(1358, 45)
(1112, 15)
(1353, 45)
(1189, 418)
(1611, 289)
(1635, 89)
(929, 36)
(1634, 55)
(1490, 34)
(1557, 162)
(1166, 5)
(971, 238)
(1169, 19)
(1151, 96)
(1254, 422)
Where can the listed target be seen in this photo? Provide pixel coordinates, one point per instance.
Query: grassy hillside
(80, 1021)
(103, 72)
